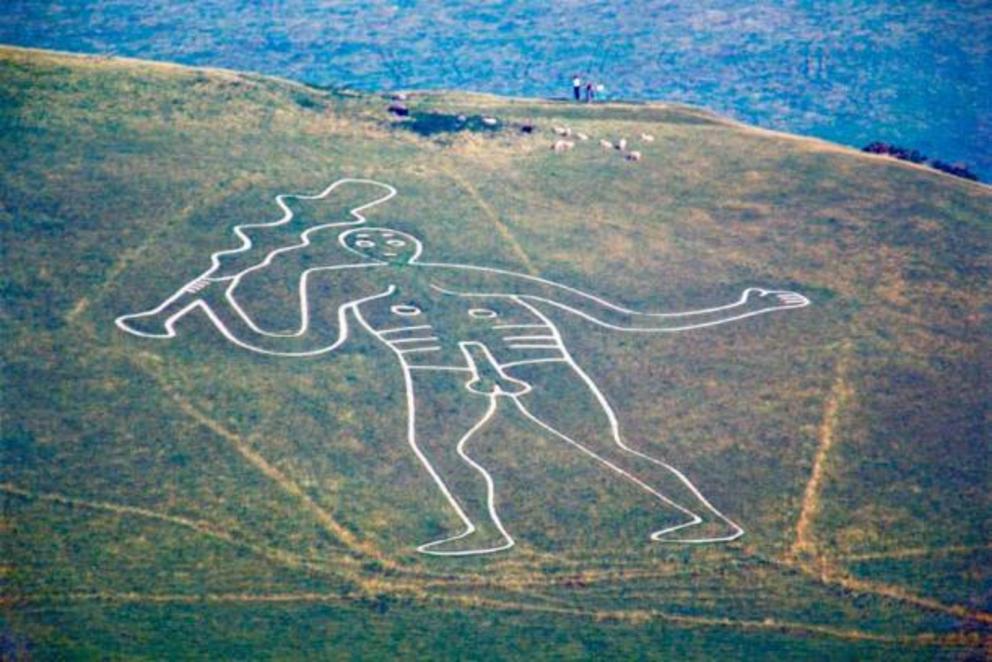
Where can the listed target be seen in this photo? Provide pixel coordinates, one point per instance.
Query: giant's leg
(567, 403)
(443, 418)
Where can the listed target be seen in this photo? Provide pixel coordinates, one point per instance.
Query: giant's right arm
(318, 334)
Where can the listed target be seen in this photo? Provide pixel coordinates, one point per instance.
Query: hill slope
(184, 496)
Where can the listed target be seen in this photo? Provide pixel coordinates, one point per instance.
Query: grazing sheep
(647, 137)
(622, 145)
(581, 136)
(562, 145)
(606, 144)
(490, 121)
(563, 130)
(633, 156)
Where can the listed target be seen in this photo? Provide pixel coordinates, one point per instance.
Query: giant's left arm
(468, 280)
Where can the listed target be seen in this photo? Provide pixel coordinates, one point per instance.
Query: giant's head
(382, 244)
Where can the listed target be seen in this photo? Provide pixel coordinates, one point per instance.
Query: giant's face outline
(382, 244)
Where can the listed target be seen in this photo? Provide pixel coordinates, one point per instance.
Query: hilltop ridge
(478, 99)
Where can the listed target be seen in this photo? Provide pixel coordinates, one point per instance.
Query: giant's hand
(159, 321)
(757, 299)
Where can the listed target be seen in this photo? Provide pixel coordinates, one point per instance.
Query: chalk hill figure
(484, 334)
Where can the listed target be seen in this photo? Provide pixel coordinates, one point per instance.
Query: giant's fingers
(792, 299)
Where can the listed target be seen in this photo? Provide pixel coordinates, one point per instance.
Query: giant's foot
(699, 531)
(472, 542)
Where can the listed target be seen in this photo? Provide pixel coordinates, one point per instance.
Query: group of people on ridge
(591, 89)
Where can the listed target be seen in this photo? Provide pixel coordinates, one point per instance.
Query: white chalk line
(288, 215)
(532, 362)
(197, 284)
(521, 292)
(470, 527)
(796, 301)
(490, 500)
(618, 439)
(518, 326)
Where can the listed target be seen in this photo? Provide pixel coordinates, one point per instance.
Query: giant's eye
(364, 243)
(396, 242)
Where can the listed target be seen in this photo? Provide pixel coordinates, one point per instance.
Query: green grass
(120, 178)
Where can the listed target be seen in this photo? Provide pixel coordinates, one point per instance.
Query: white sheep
(606, 144)
(633, 155)
(563, 145)
(622, 145)
(563, 130)
(647, 137)
(581, 136)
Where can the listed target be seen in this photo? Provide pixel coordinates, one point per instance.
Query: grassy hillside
(858, 71)
(185, 498)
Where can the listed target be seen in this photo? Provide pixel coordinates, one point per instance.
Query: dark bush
(307, 101)
(429, 124)
(914, 156)
(957, 171)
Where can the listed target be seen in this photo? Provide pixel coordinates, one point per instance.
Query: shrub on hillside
(915, 156)
(902, 153)
(956, 170)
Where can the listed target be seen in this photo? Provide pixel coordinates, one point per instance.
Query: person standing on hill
(577, 87)
(590, 92)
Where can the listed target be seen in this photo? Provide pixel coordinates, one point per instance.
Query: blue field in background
(912, 73)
